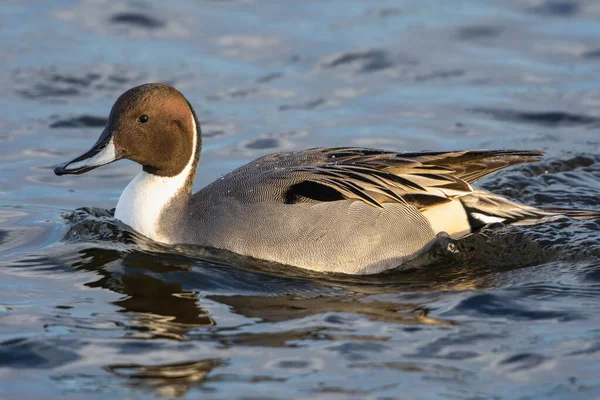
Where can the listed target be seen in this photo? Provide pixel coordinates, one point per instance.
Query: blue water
(89, 310)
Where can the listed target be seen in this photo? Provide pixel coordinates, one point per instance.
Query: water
(88, 309)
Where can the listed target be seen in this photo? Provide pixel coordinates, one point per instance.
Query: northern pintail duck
(347, 210)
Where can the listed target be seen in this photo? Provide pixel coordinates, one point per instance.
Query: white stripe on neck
(145, 197)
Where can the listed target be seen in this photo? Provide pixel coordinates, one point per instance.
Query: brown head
(153, 125)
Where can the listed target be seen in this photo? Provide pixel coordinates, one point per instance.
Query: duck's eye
(143, 118)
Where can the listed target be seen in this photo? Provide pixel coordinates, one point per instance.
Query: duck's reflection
(286, 308)
(331, 309)
(161, 309)
(157, 308)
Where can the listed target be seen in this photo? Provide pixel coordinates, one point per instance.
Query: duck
(348, 210)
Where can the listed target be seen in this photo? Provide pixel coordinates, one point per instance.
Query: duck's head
(153, 125)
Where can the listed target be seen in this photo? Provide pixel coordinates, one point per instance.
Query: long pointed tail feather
(580, 215)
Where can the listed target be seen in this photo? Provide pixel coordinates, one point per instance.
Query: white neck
(144, 199)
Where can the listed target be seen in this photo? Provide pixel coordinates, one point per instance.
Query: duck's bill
(102, 153)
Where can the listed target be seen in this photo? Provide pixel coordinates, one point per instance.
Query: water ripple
(489, 305)
(367, 61)
(544, 118)
(82, 121)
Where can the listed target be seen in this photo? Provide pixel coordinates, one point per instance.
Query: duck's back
(349, 210)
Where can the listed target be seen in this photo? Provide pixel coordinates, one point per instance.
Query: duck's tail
(484, 208)
(580, 215)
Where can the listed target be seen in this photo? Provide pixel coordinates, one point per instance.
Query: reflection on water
(169, 380)
(161, 309)
(286, 308)
(156, 308)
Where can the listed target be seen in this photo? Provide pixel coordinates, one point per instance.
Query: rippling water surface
(91, 310)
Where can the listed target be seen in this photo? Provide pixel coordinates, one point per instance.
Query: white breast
(142, 202)
(145, 198)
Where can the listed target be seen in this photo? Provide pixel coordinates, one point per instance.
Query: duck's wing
(423, 180)
(473, 165)
(371, 182)
(375, 177)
